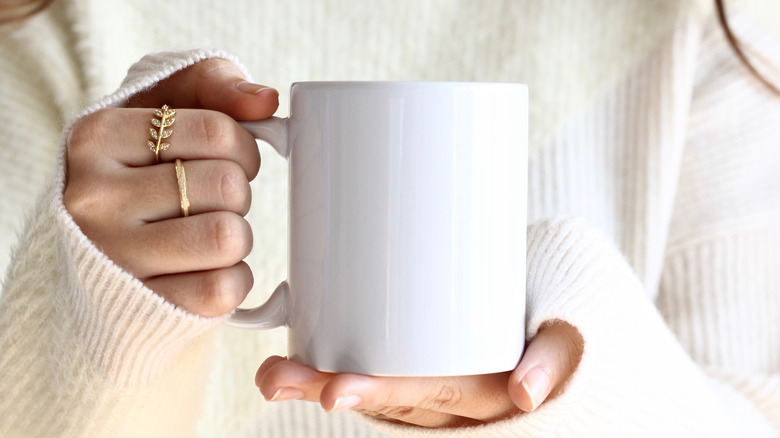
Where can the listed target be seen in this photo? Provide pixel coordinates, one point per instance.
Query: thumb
(549, 360)
(214, 84)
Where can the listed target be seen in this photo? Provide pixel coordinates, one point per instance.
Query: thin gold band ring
(181, 178)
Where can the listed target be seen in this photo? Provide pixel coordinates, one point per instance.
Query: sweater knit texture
(654, 211)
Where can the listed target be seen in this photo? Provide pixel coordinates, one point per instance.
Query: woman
(653, 316)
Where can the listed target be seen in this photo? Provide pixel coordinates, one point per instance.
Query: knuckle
(86, 202)
(449, 395)
(218, 291)
(574, 353)
(216, 132)
(396, 412)
(79, 203)
(84, 195)
(233, 186)
(232, 239)
(569, 343)
(206, 69)
(88, 132)
(213, 70)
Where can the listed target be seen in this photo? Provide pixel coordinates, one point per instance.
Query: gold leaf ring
(181, 178)
(161, 130)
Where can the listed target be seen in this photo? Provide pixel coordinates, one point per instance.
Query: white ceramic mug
(407, 224)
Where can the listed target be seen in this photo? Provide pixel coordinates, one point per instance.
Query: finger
(419, 417)
(196, 243)
(122, 136)
(480, 397)
(281, 380)
(215, 84)
(266, 365)
(549, 360)
(151, 193)
(208, 293)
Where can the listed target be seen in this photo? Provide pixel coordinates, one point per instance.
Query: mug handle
(273, 313)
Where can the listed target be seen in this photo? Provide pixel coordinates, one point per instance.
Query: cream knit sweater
(654, 198)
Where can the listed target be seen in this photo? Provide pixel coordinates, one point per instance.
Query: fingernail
(285, 394)
(251, 88)
(346, 402)
(536, 384)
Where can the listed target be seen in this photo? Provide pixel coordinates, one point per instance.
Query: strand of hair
(739, 50)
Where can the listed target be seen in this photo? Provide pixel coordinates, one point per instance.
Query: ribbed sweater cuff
(129, 333)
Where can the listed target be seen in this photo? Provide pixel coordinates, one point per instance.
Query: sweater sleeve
(634, 378)
(87, 349)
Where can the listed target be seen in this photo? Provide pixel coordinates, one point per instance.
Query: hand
(549, 360)
(128, 205)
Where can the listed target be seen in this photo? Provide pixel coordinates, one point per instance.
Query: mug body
(407, 227)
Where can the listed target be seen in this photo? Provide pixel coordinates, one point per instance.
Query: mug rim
(405, 84)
